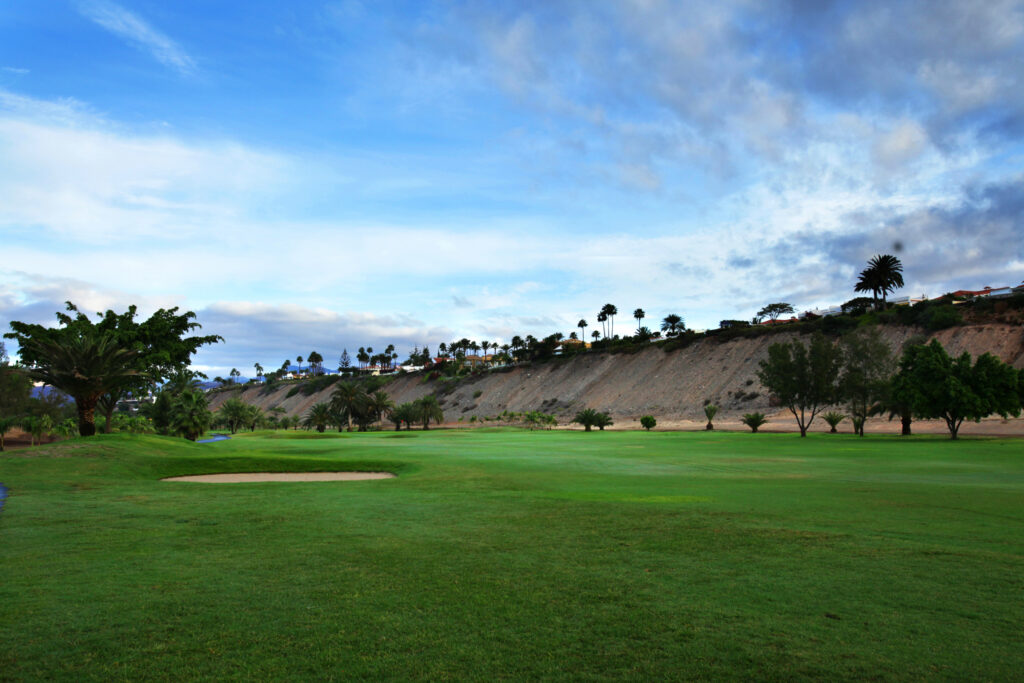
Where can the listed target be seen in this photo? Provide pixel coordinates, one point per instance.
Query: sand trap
(249, 477)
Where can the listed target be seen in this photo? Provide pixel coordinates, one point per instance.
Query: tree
(648, 422)
(15, 387)
(316, 363)
(609, 311)
(773, 311)
(6, 425)
(81, 361)
(235, 374)
(804, 379)
(344, 362)
(603, 420)
(380, 404)
(582, 324)
(428, 410)
(349, 401)
(586, 417)
(710, 411)
(595, 335)
(754, 421)
(867, 366)
(883, 275)
(190, 415)
(298, 360)
(936, 385)
(319, 417)
(162, 344)
(233, 414)
(672, 325)
(259, 369)
(639, 315)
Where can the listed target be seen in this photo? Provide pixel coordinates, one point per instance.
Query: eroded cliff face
(673, 385)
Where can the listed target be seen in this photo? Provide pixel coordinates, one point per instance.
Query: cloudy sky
(326, 175)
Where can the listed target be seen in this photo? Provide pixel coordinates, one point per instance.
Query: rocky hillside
(669, 385)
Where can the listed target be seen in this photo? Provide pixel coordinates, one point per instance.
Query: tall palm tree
(259, 369)
(349, 400)
(672, 324)
(428, 410)
(582, 324)
(603, 319)
(380, 404)
(85, 365)
(883, 275)
(298, 359)
(639, 315)
(610, 312)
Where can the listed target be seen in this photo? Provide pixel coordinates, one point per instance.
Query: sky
(325, 175)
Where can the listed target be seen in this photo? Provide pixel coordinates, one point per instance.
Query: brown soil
(672, 386)
(252, 477)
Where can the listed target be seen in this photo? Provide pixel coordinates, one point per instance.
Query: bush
(648, 422)
(754, 420)
(833, 419)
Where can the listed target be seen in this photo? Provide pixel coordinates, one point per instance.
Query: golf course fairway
(509, 554)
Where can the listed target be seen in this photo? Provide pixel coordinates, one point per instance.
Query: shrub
(833, 418)
(754, 420)
(710, 410)
(648, 422)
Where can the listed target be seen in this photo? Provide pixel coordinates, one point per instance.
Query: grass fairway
(516, 555)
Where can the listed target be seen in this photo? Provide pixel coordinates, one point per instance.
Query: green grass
(504, 554)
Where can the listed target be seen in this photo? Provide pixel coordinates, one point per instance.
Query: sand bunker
(250, 477)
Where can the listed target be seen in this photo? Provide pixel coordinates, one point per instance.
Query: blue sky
(328, 175)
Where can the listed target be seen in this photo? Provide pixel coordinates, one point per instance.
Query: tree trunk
(905, 420)
(833, 430)
(803, 430)
(709, 427)
(86, 416)
(586, 428)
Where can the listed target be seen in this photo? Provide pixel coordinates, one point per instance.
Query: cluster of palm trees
(352, 406)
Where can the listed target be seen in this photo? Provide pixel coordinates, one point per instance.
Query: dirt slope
(671, 386)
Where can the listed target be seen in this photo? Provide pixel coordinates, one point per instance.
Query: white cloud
(135, 30)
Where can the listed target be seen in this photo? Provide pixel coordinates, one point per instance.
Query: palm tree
(610, 312)
(595, 335)
(710, 411)
(349, 400)
(380, 404)
(298, 359)
(582, 324)
(259, 369)
(190, 415)
(603, 319)
(234, 373)
(318, 417)
(427, 410)
(883, 275)
(316, 362)
(85, 365)
(672, 324)
(639, 315)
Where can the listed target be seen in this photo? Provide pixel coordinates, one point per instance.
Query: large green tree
(162, 345)
(803, 378)
(936, 385)
(773, 311)
(83, 362)
(868, 366)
